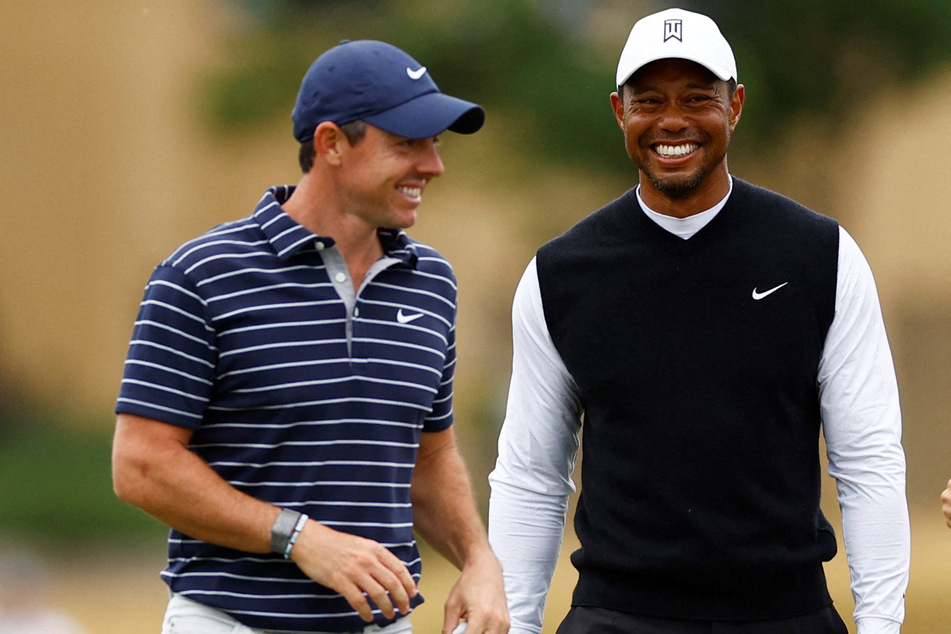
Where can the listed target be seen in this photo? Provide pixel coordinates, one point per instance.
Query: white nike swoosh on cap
(404, 318)
(415, 74)
(758, 296)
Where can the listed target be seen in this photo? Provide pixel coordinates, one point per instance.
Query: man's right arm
(153, 469)
(538, 445)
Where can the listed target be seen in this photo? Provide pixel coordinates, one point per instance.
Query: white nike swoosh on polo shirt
(404, 318)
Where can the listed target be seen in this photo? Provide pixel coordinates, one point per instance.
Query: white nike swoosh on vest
(758, 296)
(415, 74)
(404, 318)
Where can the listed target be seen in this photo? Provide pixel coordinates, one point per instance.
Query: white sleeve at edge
(538, 445)
(862, 427)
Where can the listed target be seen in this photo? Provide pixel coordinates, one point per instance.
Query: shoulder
(422, 273)
(230, 238)
(609, 223)
(432, 262)
(778, 207)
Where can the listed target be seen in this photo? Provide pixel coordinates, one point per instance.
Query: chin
(403, 221)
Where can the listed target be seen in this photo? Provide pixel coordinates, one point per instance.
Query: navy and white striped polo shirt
(300, 391)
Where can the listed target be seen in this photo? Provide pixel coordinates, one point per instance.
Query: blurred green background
(129, 127)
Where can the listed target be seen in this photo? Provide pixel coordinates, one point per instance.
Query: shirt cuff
(876, 625)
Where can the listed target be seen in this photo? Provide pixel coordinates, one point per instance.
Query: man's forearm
(526, 531)
(444, 507)
(154, 470)
(446, 517)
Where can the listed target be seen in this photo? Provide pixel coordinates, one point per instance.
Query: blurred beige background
(106, 168)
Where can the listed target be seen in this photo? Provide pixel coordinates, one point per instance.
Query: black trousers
(585, 620)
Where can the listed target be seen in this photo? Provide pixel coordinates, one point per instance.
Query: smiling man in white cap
(286, 405)
(696, 336)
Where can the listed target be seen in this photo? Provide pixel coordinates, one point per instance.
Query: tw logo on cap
(674, 30)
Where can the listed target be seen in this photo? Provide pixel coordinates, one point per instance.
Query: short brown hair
(354, 131)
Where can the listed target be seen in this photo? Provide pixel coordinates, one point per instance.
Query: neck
(357, 241)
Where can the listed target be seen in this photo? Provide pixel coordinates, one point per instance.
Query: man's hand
(946, 504)
(352, 566)
(478, 599)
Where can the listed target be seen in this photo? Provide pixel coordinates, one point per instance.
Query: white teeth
(412, 192)
(675, 151)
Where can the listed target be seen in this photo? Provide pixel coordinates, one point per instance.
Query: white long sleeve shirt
(861, 421)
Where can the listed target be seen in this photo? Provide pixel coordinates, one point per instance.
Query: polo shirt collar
(398, 246)
(288, 238)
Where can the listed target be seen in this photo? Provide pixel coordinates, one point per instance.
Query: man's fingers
(381, 598)
(357, 600)
(405, 586)
(388, 583)
(474, 622)
(384, 582)
(479, 624)
(364, 572)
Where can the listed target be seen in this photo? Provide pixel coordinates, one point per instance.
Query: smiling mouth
(412, 192)
(666, 150)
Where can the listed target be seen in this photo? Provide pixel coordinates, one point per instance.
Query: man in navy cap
(286, 406)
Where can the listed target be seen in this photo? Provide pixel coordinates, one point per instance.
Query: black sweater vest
(700, 468)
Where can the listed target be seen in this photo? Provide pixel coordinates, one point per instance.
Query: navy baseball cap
(380, 84)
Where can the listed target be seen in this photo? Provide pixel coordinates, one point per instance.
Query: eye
(646, 102)
(412, 144)
(701, 99)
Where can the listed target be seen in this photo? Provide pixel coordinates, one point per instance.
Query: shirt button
(356, 312)
(341, 277)
(320, 245)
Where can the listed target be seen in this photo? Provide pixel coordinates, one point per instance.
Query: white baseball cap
(680, 34)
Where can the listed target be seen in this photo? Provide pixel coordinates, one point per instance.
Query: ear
(736, 106)
(330, 143)
(617, 105)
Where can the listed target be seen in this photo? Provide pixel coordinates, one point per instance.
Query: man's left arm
(862, 427)
(445, 515)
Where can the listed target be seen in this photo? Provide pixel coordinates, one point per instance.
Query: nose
(674, 119)
(430, 163)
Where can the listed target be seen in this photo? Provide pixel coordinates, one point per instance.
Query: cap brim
(725, 74)
(430, 115)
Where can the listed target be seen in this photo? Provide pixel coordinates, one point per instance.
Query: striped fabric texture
(295, 395)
